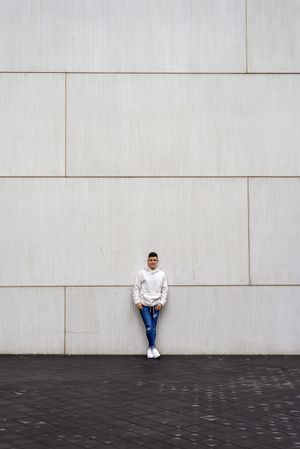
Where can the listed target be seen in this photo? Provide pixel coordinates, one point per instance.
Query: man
(150, 292)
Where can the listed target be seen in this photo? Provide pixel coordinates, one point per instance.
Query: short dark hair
(152, 254)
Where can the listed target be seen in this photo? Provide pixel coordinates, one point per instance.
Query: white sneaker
(155, 353)
(150, 354)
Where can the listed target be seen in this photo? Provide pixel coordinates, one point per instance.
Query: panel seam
(65, 319)
(130, 286)
(152, 73)
(249, 248)
(158, 177)
(246, 33)
(65, 124)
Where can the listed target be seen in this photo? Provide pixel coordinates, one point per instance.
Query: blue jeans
(150, 317)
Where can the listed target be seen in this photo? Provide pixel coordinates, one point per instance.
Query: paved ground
(131, 402)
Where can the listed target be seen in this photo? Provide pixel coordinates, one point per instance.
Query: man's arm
(137, 290)
(164, 291)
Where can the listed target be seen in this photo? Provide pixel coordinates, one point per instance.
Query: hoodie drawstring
(152, 310)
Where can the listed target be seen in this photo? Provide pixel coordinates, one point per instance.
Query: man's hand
(139, 306)
(158, 307)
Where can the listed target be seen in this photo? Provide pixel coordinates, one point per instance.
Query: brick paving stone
(129, 402)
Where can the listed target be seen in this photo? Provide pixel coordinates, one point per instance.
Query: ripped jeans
(150, 317)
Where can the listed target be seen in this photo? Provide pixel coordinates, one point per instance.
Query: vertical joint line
(65, 124)
(65, 319)
(248, 205)
(246, 34)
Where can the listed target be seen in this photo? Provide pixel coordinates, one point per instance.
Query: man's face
(152, 262)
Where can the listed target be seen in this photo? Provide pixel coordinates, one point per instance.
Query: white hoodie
(150, 287)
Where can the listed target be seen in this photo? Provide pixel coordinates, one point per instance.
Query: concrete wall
(131, 125)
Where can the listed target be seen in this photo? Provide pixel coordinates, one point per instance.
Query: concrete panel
(33, 231)
(32, 127)
(196, 320)
(273, 35)
(102, 321)
(32, 320)
(199, 226)
(236, 320)
(98, 231)
(274, 231)
(131, 35)
(183, 125)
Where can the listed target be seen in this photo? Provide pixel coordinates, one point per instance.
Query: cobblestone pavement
(131, 402)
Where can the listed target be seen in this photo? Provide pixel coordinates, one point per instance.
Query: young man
(150, 292)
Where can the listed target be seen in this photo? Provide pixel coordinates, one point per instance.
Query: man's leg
(154, 316)
(150, 319)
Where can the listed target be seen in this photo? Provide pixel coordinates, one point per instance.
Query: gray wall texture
(128, 126)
